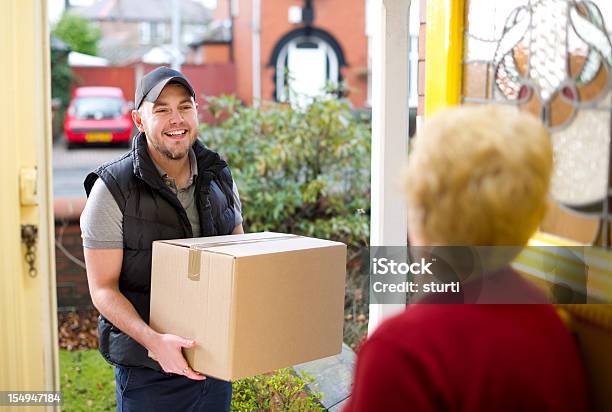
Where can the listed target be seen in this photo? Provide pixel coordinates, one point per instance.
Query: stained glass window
(554, 59)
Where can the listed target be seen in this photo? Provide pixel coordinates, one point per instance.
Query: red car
(98, 115)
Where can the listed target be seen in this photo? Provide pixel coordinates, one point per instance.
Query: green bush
(77, 32)
(302, 171)
(281, 391)
(80, 35)
(61, 78)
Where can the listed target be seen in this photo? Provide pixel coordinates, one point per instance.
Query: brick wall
(72, 288)
(129, 32)
(243, 50)
(216, 53)
(122, 77)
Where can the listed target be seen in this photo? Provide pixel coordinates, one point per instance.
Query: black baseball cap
(151, 85)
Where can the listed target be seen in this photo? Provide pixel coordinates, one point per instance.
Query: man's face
(171, 123)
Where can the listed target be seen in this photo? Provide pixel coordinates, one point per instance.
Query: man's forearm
(115, 307)
(166, 348)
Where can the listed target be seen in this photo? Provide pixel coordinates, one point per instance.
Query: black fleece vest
(151, 211)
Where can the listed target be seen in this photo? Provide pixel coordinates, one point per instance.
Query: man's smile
(176, 134)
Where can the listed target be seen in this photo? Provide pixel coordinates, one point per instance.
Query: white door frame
(388, 226)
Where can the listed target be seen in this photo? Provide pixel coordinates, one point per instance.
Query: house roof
(164, 54)
(219, 32)
(134, 10)
(119, 56)
(114, 50)
(82, 59)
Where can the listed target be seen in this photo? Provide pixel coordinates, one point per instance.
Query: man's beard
(168, 154)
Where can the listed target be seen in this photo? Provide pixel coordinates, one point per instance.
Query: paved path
(71, 166)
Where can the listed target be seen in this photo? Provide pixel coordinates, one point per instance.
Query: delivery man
(168, 186)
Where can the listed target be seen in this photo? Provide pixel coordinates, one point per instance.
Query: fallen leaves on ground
(78, 330)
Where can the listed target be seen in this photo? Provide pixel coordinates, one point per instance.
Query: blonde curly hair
(479, 175)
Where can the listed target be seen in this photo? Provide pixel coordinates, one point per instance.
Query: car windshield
(97, 107)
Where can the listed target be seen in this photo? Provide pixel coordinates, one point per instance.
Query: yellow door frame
(443, 54)
(28, 343)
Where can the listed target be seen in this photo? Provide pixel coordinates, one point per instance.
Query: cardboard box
(253, 303)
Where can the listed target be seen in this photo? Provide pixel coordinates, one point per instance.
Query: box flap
(251, 244)
(271, 246)
(211, 241)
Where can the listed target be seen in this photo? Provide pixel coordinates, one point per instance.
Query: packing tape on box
(202, 246)
(193, 271)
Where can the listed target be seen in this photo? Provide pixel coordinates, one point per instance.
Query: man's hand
(166, 350)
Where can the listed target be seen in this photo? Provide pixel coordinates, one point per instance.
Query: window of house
(190, 32)
(145, 32)
(161, 33)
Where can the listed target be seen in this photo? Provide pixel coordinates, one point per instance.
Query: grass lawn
(87, 381)
(88, 384)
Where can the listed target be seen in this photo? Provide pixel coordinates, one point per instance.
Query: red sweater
(489, 358)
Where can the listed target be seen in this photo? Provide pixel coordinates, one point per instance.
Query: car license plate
(98, 137)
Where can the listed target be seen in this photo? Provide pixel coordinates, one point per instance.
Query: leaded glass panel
(554, 59)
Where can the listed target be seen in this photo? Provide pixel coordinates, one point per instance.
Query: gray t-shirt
(102, 220)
